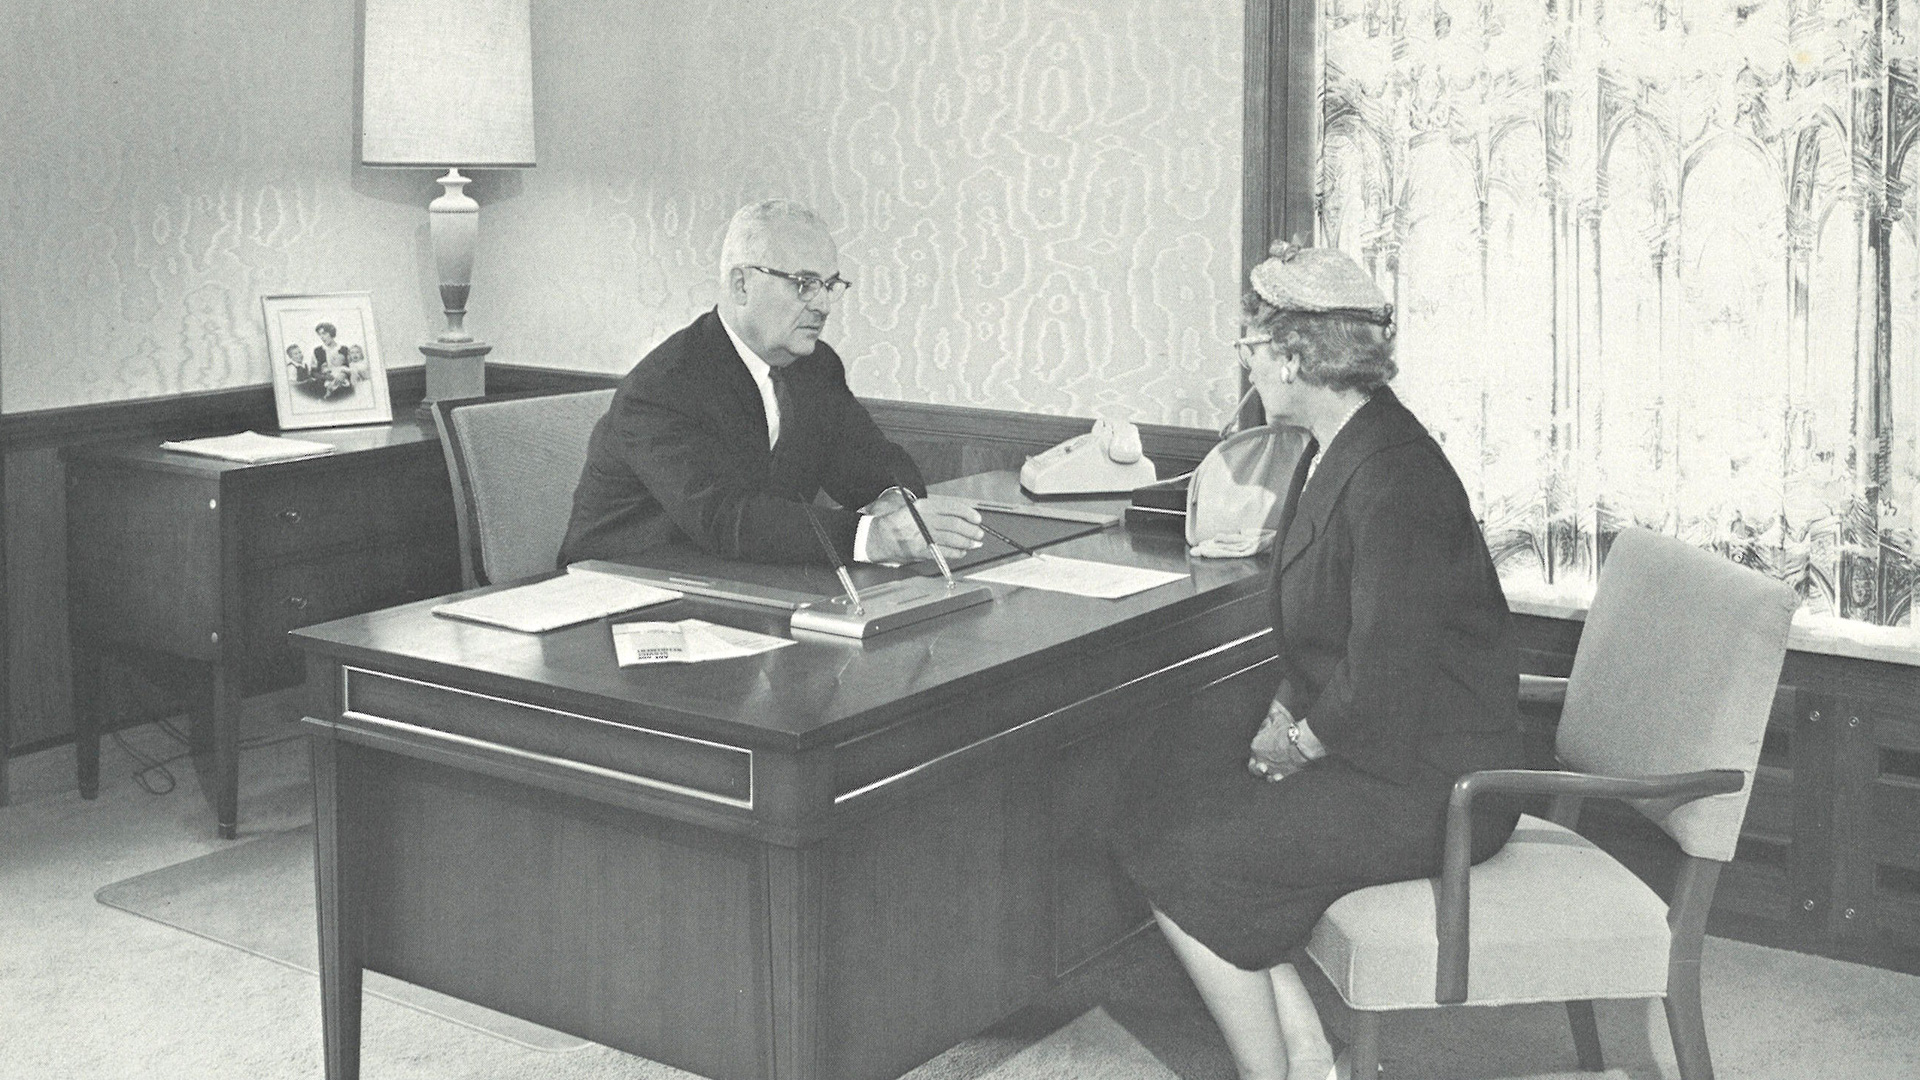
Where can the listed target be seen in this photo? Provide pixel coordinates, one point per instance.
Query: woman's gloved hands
(1283, 746)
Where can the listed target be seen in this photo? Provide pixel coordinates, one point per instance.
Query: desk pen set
(890, 605)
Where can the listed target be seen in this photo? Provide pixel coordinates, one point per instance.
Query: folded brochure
(557, 601)
(249, 446)
(688, 641)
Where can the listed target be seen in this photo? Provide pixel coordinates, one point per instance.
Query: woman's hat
(1319, 279)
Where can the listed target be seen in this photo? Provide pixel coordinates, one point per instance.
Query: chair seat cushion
(1552, 918)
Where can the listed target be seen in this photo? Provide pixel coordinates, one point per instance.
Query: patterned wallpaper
(166, 162)
(1037, 199)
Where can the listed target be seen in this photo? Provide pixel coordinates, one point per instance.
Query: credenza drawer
(295, 594)
(346, 507)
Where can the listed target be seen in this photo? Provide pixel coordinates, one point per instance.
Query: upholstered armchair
(1665, 707)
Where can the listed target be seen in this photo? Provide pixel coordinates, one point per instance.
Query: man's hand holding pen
(895, 537)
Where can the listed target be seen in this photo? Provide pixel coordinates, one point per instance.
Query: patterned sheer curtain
(1656, 265)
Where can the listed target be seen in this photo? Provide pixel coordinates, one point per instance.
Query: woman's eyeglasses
(1247, 346)
(809, 285)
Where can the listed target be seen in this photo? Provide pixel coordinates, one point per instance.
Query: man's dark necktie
(782, 397)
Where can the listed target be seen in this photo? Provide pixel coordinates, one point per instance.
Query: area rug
(257, 896)
(1094, 1045)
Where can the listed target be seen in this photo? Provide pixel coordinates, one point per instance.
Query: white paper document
(688, 641)
(250, 446)
(557, 602)
(1081, 577)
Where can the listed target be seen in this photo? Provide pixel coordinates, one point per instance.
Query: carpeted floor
(257, 896)
(90, 991)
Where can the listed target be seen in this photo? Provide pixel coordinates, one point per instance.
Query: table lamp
(449, 84)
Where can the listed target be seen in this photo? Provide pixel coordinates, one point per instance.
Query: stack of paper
(556, 602)
(250, 446)
(1081, 577)
(688, 641)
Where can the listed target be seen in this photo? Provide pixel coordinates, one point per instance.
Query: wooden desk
(833, 860)
(173, 557)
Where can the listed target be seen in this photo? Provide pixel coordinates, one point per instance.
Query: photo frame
(325, 356)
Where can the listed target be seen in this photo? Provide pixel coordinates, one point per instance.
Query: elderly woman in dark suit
(1397, 674)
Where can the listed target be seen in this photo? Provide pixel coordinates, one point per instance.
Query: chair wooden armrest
(1452, 902)
(1542, 689)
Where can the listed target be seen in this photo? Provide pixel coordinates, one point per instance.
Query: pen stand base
(889, 607)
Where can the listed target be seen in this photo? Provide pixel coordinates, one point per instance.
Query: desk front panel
(629, 929)
(916, 914)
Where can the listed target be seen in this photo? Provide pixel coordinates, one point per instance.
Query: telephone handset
(1104, 461)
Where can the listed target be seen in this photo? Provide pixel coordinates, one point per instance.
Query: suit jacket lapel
(1373, 428)
(731, 372)
(1292, 541)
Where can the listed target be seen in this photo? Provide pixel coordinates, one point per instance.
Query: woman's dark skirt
(1247, 865)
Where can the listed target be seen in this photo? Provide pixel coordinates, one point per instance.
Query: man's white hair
(749, 233)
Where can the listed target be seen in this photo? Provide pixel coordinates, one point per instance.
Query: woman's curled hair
(1341, 350)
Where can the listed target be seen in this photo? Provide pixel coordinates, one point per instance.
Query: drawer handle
(297, 603)
(290, 517)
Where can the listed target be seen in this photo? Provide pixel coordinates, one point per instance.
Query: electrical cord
(152, 773)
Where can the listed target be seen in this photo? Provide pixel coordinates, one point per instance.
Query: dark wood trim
(252, 406)
(521, 378)
(1281, 126)
(245, 406)
(6, 688)
(1030, 432)
(240, 406)
(1257, 136)
(1280, 134)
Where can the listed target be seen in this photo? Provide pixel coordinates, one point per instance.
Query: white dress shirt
(759, 369)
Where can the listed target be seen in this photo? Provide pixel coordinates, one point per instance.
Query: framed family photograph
(326, 361)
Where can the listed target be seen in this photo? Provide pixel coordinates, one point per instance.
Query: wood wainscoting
(951, 440)
(35, 683)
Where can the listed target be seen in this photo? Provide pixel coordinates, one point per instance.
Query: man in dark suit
(723, 435)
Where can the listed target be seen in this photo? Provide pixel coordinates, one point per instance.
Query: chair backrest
(1676, 672)
(514, 464)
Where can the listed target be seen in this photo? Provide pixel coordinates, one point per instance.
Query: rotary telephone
(1104, 461)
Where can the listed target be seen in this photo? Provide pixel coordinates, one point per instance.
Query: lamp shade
(447, 83)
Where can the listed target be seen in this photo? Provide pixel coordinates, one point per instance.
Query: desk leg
(86, 714)
(339, 903)
(225, 710)
(796, 898)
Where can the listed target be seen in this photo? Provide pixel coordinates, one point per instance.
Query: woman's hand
(1283, 745)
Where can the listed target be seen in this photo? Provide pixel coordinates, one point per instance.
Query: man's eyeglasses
(809, 285)
(1247, 346)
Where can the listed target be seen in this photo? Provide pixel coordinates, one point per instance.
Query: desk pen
(1005, 539)
(927, 535)
(839, 564)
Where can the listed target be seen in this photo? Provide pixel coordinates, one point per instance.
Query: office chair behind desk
(513, 464)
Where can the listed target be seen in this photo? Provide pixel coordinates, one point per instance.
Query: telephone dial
(1104, 461)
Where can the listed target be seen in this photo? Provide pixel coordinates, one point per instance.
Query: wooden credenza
(193, 566)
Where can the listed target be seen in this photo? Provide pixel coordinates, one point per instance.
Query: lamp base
(455, 369)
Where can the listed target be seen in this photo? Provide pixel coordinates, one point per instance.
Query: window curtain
(1655, 264)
